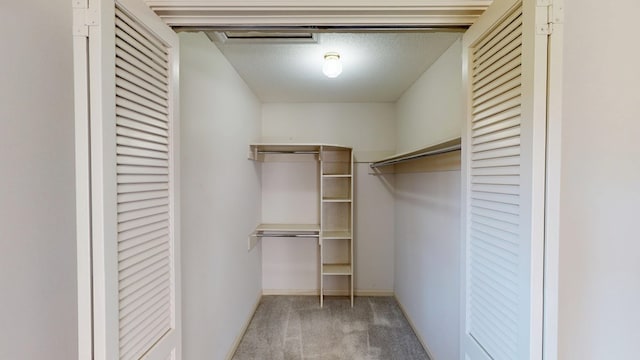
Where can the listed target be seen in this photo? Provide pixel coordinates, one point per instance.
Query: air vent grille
(266, 37)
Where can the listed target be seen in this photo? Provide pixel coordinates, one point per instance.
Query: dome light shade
(332, 66)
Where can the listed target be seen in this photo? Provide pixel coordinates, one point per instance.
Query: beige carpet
(294, 327)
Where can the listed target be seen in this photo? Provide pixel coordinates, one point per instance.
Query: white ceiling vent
(262, 37)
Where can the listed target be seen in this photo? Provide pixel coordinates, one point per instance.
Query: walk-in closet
(312, 171)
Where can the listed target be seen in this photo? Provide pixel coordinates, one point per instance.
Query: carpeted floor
(295, 327)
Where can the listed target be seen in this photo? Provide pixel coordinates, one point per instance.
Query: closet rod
(415, 156)
(288, 235)
(287, 152)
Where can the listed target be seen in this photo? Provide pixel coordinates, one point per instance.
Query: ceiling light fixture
(332, 66)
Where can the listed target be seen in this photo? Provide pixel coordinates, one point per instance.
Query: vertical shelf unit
(334, 230)
(336, 216)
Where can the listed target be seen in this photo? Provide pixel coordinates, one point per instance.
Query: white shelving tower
(336, 219)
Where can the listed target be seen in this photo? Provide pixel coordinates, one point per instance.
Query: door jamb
(553, 191)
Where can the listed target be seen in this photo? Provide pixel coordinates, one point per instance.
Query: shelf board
(336, 200)
(336, 176)
(338, 235)
(336, 269)
(331, 147)
(289, 227)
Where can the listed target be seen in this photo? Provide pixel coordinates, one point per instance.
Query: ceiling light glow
(332, 66)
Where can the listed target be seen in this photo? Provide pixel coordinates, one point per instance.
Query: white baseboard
(316, 292)
(301, 292)
(374, 293)
(415, 330)
(245, 326)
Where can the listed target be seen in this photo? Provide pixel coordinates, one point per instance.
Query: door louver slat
(492, 205)
(141, 287)
(124, 150)
(514, 56)
(150, 41)
(135, 97)
(498, 100)
(509, 35)
(130, 69)
(142, 221)
(493, 36)
(143, 175)
(500, 86)
(133, 306)
(140, 82)
(141, 126)
(141, 136)
(124, 83)
(143, 119)
(500, 132)
(142, 170)
(144, 238)
(142, 273)
(137, 258)
(133, 106)
(132, 270)
(497, 158)
(499, 179)
(507, 71)
(132, 160)
(141, 144)
(143, 195)
(499, 58)
(151, 308)
(498, 124)
(131, 47)
(150, 51)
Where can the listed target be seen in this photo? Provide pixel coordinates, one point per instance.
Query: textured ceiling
(377, 67)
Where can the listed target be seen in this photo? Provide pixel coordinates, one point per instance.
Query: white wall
(291, 264)
(427, 209)
(430, 110)
(427, 255)
(220, 200)
(290, 195)
(600, 191)
(370, 128)
(37, 196)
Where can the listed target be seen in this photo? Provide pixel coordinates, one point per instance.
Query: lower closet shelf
(289, 227)
(336, 269)
(336, 235)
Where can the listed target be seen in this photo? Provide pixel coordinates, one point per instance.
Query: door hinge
(550, 12)
(84, 16)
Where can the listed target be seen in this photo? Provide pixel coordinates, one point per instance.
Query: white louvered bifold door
(504, 150)
(134, 151)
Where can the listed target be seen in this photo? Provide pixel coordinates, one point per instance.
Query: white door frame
(316, 12)
(553, 181)
(329, 13)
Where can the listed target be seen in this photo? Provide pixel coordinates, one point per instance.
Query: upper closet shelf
(258, 150)
(435, 149)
